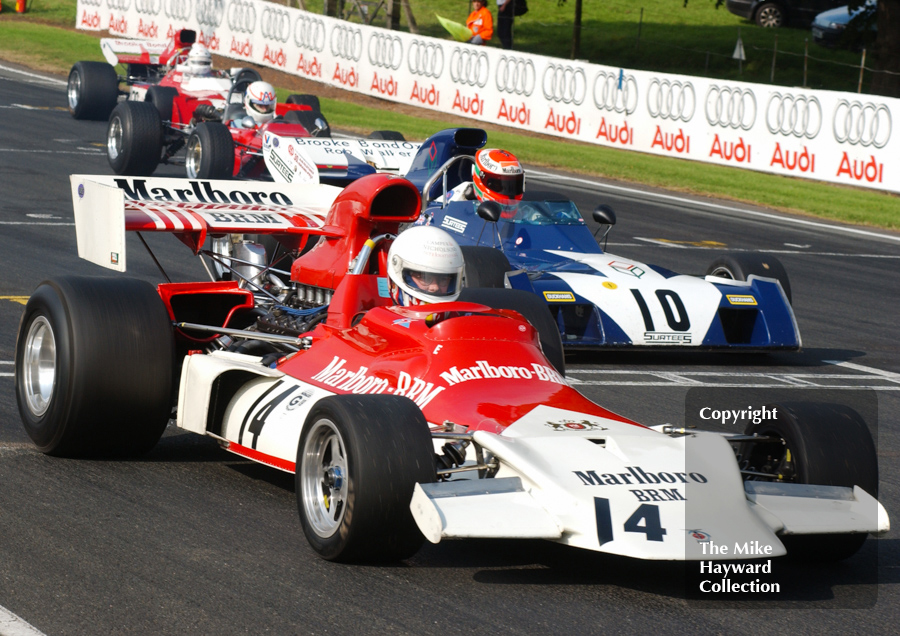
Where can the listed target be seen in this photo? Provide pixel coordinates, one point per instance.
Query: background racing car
(442, 420)
(602, 300)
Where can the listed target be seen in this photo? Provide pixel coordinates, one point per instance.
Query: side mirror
(604, 215)
(321, 125)
(489, 211)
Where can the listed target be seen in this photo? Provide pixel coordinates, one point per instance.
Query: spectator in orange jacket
(480, 23)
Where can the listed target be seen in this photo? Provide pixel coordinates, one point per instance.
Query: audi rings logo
(470, 66)
(616, 92)
(346, 43)
(178, 9)
(92, 3)
(309, 33)
(565, 84)
(118, 5)
(148, 7)
(275, 24)
(730, 107)
(800, 116)
(385, 51)
(671, 100)
(242, 16)
(516, 75)
(863, 124)
(210, 12)
(425, 58)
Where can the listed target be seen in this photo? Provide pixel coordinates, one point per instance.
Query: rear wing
(107, 207)
(121, 51)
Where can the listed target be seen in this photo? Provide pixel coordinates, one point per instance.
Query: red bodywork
(474, 366)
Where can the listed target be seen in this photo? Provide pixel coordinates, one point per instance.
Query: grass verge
(54, 50)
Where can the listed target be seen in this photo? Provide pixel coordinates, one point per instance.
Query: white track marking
(665, 243)
(712, 206)
(32, 223)
(12, 625)
(890, 375)
(43, 78)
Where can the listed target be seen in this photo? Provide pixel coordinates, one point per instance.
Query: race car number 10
(669, 301)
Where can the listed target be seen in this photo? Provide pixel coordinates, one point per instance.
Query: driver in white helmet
(260, 102)
(199, 61)
(425, 265)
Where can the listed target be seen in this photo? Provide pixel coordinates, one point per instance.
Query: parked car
(776, 13)
(846, 27)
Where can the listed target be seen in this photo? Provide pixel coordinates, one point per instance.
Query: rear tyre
(305, 100)
(387, 135)
(94, 367)
(210, 152)
(740, 266)
(770, 15)
(535, 311)
(162, 97)
(822, 444)
(485, 267)
(359, 458)
(92, 90)
(134, 139)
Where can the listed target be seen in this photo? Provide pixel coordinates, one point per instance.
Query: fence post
(637, 44)
(862, 67)
(805, 59)
(774, 53)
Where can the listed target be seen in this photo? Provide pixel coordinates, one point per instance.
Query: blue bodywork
(601, 300)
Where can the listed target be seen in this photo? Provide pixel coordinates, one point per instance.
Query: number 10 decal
(646, 513)
(669, 300)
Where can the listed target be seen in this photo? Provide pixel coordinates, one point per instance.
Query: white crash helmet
(425, 265)
(260, 101)
(199, 61)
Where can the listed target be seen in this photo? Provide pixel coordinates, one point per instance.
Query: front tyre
(134, 139)
(821, 444)
(92, 90)
(359, 458)
(94, 365)
(741, 265)
(210, 152)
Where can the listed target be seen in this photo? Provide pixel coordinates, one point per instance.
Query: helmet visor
(431, 283)
(262, 107)
(510, 186)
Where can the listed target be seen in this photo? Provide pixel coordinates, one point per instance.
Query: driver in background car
(199, 62)
(259, 106)
(425, 265)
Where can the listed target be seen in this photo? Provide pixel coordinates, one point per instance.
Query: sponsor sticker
(741, 300)
(576, 425)
(610, 285)
(114, 258)
(559, 297)
(627, 268)
(454, 224)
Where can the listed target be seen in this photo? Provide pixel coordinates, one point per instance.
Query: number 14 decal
(669, 301)
(646, 513)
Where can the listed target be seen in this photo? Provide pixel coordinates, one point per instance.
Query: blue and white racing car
(602, 300)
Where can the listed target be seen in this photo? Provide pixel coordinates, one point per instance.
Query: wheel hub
(323, 478)
(114, 138)
(39, 366)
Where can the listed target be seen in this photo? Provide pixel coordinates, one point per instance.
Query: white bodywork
(298, 153)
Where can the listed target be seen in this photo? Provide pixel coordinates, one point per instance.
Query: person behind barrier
(480, 23)
(425, 265)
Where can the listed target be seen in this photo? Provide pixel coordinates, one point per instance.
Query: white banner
(830, 136)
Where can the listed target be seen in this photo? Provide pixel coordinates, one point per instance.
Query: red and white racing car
(434, 421)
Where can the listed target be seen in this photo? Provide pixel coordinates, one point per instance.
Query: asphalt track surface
(191, 539)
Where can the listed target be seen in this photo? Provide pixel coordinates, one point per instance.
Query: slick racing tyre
(162, 97)
(305, 100)
(387, 135)
(248, 75)
(210, 152)
(821, 444)
(134, 139)
(741, 265)
(535, 311)
(94, 367)
(314, 122)
(484, 266)
(359, 458)
(92, 90)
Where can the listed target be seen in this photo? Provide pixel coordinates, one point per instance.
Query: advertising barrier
(824, 135)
